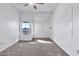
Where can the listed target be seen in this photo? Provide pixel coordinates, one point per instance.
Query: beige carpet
(36, 48)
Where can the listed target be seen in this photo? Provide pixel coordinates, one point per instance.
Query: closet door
(76, 22)
(75, 41)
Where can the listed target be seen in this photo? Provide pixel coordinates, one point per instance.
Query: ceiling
(47, 7)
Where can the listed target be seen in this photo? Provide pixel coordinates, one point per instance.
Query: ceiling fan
(33, 4)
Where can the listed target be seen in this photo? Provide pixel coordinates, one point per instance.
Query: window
(26, 26)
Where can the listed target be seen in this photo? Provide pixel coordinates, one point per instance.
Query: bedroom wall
(65, 26)
(40, 22)
(9, 26)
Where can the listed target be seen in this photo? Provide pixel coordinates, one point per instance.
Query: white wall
(9, 26)
(26, 17)
(61, 28)
(66, 28)
(40, 25)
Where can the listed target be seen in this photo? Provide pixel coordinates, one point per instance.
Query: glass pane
(26, 27)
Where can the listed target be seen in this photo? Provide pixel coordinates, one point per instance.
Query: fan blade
(26, 5)
(40, 3)
(35, 7)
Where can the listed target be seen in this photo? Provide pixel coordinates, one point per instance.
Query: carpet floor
(35, 48)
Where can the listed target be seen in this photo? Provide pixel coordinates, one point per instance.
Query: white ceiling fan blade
(26, 4)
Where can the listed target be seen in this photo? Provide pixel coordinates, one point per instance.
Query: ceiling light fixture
(33, 4)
